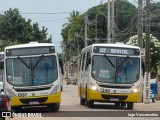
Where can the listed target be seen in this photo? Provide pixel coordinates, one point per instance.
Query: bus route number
(22, 94)
(102, 50)
(107, 90)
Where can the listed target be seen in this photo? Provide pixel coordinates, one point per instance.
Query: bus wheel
(90, 103)
(16, 109)
(82, 101)
(130, 105)
(123, 104)
(153, 100)
(117, 104)
(54, 106)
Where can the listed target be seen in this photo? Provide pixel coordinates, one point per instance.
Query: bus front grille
(31, 89)
(39, 100)
(114, 96)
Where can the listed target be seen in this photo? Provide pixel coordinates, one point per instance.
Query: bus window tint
(88, 60)
(126, 70)
(102, 70)
(83, 59)
(32, 71)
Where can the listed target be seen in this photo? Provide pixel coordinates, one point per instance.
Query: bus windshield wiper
(123, 62)
(24, 62)
(121, 68)
(38, 62)
(109, 60)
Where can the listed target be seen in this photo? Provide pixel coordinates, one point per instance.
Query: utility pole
(147, 55)
(96, 39)
(108, 24)
(112, 22)
(86, 23)
(77, 57)
(140, 24)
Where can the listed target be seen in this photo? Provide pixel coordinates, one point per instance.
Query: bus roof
(31, 44)
(111, 45)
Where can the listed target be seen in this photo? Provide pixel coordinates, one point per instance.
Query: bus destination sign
(116, 50)
(30, 51)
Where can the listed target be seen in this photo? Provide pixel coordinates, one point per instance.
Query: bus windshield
(31, 71)
(114, 69)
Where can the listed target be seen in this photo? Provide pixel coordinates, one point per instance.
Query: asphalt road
(71, 109)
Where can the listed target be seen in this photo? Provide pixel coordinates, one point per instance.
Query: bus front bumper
(36, 100)
(106, 97)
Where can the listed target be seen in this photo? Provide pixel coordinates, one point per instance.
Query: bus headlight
(94, 87)
(55, 90)
(135, 89)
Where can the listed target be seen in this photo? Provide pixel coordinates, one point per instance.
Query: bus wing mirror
(61, 65)
(2, 90)
(1, 65)
(89, 60)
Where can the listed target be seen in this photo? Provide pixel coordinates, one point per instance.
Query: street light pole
(86, 20)
(140, 24)
(108, 24)
(112, 22)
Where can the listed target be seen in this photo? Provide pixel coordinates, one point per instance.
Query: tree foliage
(155, 51)
(14, 29)
(125, 24)
(123, 18)
(155, 19)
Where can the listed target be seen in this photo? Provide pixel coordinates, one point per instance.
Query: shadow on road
(108, 106)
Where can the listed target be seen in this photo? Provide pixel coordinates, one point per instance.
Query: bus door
(82, 80)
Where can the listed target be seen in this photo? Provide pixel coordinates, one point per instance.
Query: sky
(53, 22)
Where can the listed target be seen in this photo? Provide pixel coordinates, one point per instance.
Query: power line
(45, 13)
(51, 20)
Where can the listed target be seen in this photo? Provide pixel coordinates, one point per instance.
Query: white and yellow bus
(110, 73)
(32, 75)
(1, 66)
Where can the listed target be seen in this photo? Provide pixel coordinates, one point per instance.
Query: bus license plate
(114, 99)
(33, 102)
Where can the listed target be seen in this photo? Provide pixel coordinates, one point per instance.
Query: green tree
(155, 51)
(68, 33)
(123, 18)
(14, 29)
(125, 23)
(155, 19)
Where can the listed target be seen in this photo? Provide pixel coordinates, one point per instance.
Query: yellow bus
(110, 73)
(32, 75)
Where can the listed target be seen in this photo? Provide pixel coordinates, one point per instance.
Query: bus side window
(83, 62)
(61, 65)
(88, 61)
(1, 65)
(80, 63)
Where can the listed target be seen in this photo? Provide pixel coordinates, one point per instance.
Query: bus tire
(117, 104)
(123, 104)
(54, 107)
(16, 109)
(61, 88)
(82, 101)
(90, 103)
(130, 105)
(153, 100)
